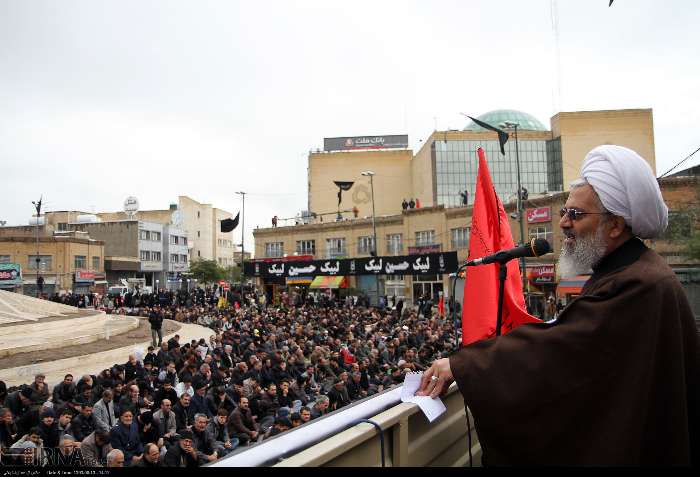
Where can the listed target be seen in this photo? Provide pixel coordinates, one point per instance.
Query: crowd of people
(262, 370)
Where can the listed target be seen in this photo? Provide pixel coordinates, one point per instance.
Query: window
(365, 244)
(335, 247)
(425, 237)
(197, 214)
(174, 258)
(45, 262)
(144, 235)
(155, 256)
(541, 231)
(5, 259)
(274, 249)
(306, 247)
(174, 240)
(62, 226)
(80, 262)
(95, 263)
(184, 240)
(199, 253)
(155, 236)
(460, 237)
(198, 234)
(145, 256)
(183, 258)
(394, 244)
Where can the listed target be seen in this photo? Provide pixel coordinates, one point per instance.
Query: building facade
(68, 261)
(441, 228)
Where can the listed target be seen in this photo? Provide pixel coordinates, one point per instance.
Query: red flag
(441, 305)
(490, 232)
(417, 203)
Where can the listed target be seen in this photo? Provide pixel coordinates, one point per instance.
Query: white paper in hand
(432, 408)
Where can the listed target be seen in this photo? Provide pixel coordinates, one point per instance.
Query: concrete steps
(57, 334)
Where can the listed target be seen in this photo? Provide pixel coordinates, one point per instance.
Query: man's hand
(436, 387)
(254, 434)
(212, 457)
(227, 444)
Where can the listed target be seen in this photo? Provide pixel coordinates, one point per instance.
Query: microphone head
(540, 247)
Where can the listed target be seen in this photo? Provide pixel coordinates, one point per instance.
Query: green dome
(495, 118)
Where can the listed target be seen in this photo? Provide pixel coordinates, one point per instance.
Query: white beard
(583, 255)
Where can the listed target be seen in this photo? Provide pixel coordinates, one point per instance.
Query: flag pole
(242, 194)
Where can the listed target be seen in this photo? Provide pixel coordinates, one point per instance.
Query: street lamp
(514, 126)
(188, 285)
(157, 286)
(370, 174)
(39, 280)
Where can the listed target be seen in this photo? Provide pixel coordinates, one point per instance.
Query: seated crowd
(263, 370)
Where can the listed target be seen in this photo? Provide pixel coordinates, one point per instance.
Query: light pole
(39, 280)
(514, 126)
(188, 285)
(370, 174)
(242, 194)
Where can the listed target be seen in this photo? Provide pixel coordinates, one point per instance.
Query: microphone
(535, 248)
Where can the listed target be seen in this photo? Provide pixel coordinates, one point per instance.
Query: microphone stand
(454, 300)
(502, 274)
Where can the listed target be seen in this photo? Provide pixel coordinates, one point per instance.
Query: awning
(572, 285)
(299, 280)
(329, 282)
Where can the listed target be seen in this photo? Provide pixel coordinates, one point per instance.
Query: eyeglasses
(574, 214)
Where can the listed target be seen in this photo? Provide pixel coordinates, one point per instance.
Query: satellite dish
(131, 206)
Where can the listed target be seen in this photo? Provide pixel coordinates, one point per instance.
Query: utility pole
(523, 273)
(370, 174)
(242, 194)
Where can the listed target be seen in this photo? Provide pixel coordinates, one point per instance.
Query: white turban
(627, 187)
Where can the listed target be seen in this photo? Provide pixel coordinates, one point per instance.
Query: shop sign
(541, 274)
(423, 264)
(541, 214)
(84, 276)
(365, 142)
(424, 249)
(10, 274)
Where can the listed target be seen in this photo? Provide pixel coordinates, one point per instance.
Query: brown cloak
(614, 381)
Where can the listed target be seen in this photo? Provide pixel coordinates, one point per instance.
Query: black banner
(426, 264)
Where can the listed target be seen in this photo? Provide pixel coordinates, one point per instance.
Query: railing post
(400, 443)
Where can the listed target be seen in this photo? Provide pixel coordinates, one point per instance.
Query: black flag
(227, 225)
(502, 135)
(341, 187)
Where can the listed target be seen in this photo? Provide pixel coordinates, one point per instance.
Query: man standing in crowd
(619, 367)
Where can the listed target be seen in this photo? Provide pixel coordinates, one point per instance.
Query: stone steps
(57, 334)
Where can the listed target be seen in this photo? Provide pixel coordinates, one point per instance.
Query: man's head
(222, 416)
(101, 437)
(86, 410)
(107, 396)
(126, 417)
(186, 439)
(185, 400)
(200, 422)
(68, 379)
(617, 198)
(305, 414)
(590, 231)
(151, 453)
(47, 417)
(115, 458)
(65, 418)
(165, 405)
(68, 444)
(243, 403)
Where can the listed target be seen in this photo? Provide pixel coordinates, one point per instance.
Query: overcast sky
(102, 99)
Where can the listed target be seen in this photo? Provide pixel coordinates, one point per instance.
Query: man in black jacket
(84, 423)
(183, 454)
(184, 415)
(155, 318)
(64, 391)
